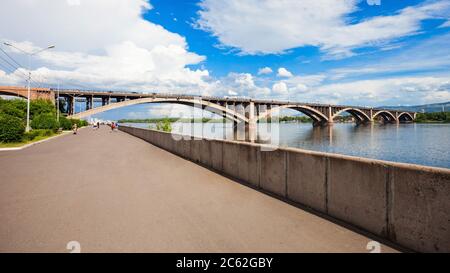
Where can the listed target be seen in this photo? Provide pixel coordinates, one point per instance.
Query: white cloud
(264, 71)
(283, 72)
(445, 24)
(280, 88)
(273, 26)
(386, 91)
(432, 55)
(238, 84)
(102, 44)
(232, 93)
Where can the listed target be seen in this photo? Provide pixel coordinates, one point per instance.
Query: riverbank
(210, 120)
(437, 117)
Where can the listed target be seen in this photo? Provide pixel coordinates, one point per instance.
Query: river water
(423, 144)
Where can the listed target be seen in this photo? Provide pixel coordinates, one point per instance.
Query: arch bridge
(239, 110)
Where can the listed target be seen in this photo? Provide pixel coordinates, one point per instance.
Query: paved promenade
(116, 193)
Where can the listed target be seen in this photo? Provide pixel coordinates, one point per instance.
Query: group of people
(114, 126)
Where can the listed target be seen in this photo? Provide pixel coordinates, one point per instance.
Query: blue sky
(346, 52)
(180, 17)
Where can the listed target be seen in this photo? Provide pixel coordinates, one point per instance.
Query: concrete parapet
(230, 157)
(196, 150)
(406, 204)
(249, 164)
(217, 155)
(205, 152)
(273, 171)
(419, 208)
(306, 180)
(356, 193)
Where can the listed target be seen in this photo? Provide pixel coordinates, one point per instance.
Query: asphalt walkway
(113, 192)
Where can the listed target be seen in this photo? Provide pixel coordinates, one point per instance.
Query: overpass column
(240, 126)
(71, 105)
(88, 103)
(250, 129)
(269, 115)
(330, 115)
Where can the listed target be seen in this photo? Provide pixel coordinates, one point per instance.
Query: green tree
(65, 123)
(41, 106)
(164, 125)
(11, 128)
(14, 107)
(45, 121)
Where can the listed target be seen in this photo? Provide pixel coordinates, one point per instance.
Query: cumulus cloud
(387, 91)
(102, 44)
(283, 72)
(238, 84)
(280, 88)
(264, 71)
(273, 26)
(445, 24)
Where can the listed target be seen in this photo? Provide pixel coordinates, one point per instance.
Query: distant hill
(430, 108)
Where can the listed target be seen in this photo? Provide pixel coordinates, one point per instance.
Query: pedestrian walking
(74, 128)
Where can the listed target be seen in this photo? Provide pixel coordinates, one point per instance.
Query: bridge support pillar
(251, 127)
(330, 120)
(71, 105)
(240, 129)
(89, 103)
(105, 101)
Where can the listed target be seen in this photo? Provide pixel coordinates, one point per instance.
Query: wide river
(424, 144)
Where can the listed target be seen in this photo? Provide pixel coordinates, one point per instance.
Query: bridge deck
(114, 192)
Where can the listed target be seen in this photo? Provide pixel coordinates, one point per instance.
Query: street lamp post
(29, 54)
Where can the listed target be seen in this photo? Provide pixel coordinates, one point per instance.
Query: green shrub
(14, 107)
(65, 123)
(29, 136)
(164, 125)
(79, 122)
(11, 128)
(84, 123)
(45, 121)
(33, 134)
(40, 106)
(48, 132)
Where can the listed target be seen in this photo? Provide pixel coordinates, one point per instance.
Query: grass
(23, 143)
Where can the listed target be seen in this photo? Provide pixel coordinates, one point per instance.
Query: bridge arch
(359, 115)
(314, 114)
(12, 93)
(386, 115)
(206, 105)
(405, 117)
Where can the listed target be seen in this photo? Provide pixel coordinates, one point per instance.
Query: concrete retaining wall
(406, 204)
